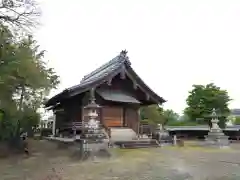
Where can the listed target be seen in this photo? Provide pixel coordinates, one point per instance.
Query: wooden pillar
(100, 116)
(124, 117)
(54, 125)
(82, 114)
(138, 124)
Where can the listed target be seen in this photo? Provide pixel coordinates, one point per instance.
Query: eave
(144, 87)
(118, 65)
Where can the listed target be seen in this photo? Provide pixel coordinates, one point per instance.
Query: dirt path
(145, 164)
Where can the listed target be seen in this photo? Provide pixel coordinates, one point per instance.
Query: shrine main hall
(115, 87)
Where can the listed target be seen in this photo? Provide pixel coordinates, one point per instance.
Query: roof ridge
(99, 76)
(119, 58)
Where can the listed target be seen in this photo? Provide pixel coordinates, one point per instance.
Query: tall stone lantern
(93, 137)
(91, 124)
(215, 136)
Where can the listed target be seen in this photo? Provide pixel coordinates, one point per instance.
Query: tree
(173, 119)
(157, 115)
(184, 117)
(202, 99)
(8, 63)
(153, 114)
(170, 116)
(19, 13)
(29, 120)
(25, 81)
(236, 121)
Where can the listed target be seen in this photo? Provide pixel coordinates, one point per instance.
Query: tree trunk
(21, 98)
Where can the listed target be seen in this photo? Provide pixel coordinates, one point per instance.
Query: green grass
(132, 154)
(194, 146)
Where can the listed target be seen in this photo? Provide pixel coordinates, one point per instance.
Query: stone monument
(162, 135)
(216, 137)
(93, 140)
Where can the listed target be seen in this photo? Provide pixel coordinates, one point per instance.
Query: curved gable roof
(101, 75)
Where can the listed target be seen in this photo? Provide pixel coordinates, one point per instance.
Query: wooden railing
(80, 126)
(72, 125)
(77, 125)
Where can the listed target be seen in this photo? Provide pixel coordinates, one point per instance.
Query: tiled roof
(101, 75)
(199, 128)
(235, 112)
(117, 96)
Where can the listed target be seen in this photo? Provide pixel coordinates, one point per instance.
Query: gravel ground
(173, 163)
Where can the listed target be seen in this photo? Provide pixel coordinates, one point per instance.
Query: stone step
(137, 144)
(136, 141)
(124, 134)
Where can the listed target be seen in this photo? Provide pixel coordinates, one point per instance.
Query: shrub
(237, 121)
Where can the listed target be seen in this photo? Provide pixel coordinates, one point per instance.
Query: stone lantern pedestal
(216, 137)
(93, 140)
(162, 136)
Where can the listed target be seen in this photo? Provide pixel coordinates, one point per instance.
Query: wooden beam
(123, 73)
(146, 93)
(135, 85)
(109, 82)
(58, 110)
(147, 96)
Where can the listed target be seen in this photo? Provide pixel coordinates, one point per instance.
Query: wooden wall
(132, 118)
(120, 117)
(112, 116)
(61, 119)
(109, 116)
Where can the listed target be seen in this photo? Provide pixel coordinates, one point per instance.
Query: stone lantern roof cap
(92, 106)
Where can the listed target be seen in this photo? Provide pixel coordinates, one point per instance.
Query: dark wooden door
(132, 118)
(112, 116)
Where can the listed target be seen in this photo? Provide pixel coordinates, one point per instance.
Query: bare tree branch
(23, 14)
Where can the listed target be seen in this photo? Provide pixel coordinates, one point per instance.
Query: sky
(171, 44)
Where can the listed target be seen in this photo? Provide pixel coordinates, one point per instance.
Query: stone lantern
(215, 136)
(161, 135)
(92, 122)
(215, 121)
(93, 140)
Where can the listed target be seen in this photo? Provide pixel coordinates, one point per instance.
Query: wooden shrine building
(115, 86)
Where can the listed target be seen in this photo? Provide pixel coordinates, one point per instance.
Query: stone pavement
(186, 163)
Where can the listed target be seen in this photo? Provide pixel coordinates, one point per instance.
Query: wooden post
(139, 118)
(175, 140)
(54, 125)
(74, 131)
(82, 114)
(81, 148)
